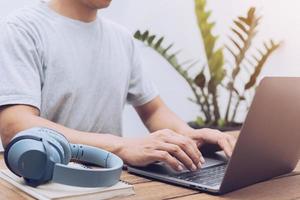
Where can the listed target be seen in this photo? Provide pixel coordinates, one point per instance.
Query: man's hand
(156, 115)
(225, 141)
(164, 145)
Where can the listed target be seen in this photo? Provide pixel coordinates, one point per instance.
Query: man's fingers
(180, 155)
(164, 156)
(225, 141)
(232, 141)
(208, 136)
(189, 147)
(226, 146)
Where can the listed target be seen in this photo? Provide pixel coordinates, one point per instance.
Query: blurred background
(176, 21)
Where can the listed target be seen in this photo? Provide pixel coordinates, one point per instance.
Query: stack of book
(59, 191)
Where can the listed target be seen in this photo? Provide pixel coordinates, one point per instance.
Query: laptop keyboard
(211, 176)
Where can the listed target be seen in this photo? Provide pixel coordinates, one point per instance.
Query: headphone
(41, 154)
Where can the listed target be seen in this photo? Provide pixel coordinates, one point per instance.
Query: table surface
(282, 188)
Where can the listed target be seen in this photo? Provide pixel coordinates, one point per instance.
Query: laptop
(268, 144)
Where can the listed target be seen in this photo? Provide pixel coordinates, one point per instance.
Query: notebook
(59, 191)
(1, 147)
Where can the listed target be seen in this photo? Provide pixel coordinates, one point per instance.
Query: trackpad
(212, 161)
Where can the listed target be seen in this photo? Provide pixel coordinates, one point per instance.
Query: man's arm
(164, 145)
(156, 116)
(20, 117)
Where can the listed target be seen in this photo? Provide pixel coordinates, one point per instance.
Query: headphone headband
(84, 177)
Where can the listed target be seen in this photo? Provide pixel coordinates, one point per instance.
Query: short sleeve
(141, 89)
(20, 65)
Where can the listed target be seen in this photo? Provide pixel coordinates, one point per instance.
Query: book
(53, 190)
(1, 147)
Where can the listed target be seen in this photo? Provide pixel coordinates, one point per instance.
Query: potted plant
(216, 74)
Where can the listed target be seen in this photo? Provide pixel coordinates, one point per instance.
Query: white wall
(175, 20)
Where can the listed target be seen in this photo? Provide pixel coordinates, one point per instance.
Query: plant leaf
(237, 45)
(269, 50)
(157, 45)
(151, 39)
(137, 34)
(168, 48)
(240, 26)
(251, 13)
(245, 20)
(145, 35)
(238, 34)
(200, 80)
(230, 50)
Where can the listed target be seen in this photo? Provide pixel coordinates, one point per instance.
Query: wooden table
(283, 188)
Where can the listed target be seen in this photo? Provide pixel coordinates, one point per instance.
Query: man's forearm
(164, 118)
(12, 123)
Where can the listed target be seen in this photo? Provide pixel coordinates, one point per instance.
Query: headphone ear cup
(54, 137)
(30, 159)
(33, 153)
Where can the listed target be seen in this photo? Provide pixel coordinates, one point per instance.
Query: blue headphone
(41, 154)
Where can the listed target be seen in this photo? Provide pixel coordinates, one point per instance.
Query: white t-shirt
(77, 74)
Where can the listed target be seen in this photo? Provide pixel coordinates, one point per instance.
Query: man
(64, 68)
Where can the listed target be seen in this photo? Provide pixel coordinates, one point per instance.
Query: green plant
(213, 76)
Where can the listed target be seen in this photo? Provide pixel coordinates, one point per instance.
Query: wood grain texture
(282, 189)
(133, 179)
(158, 190)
